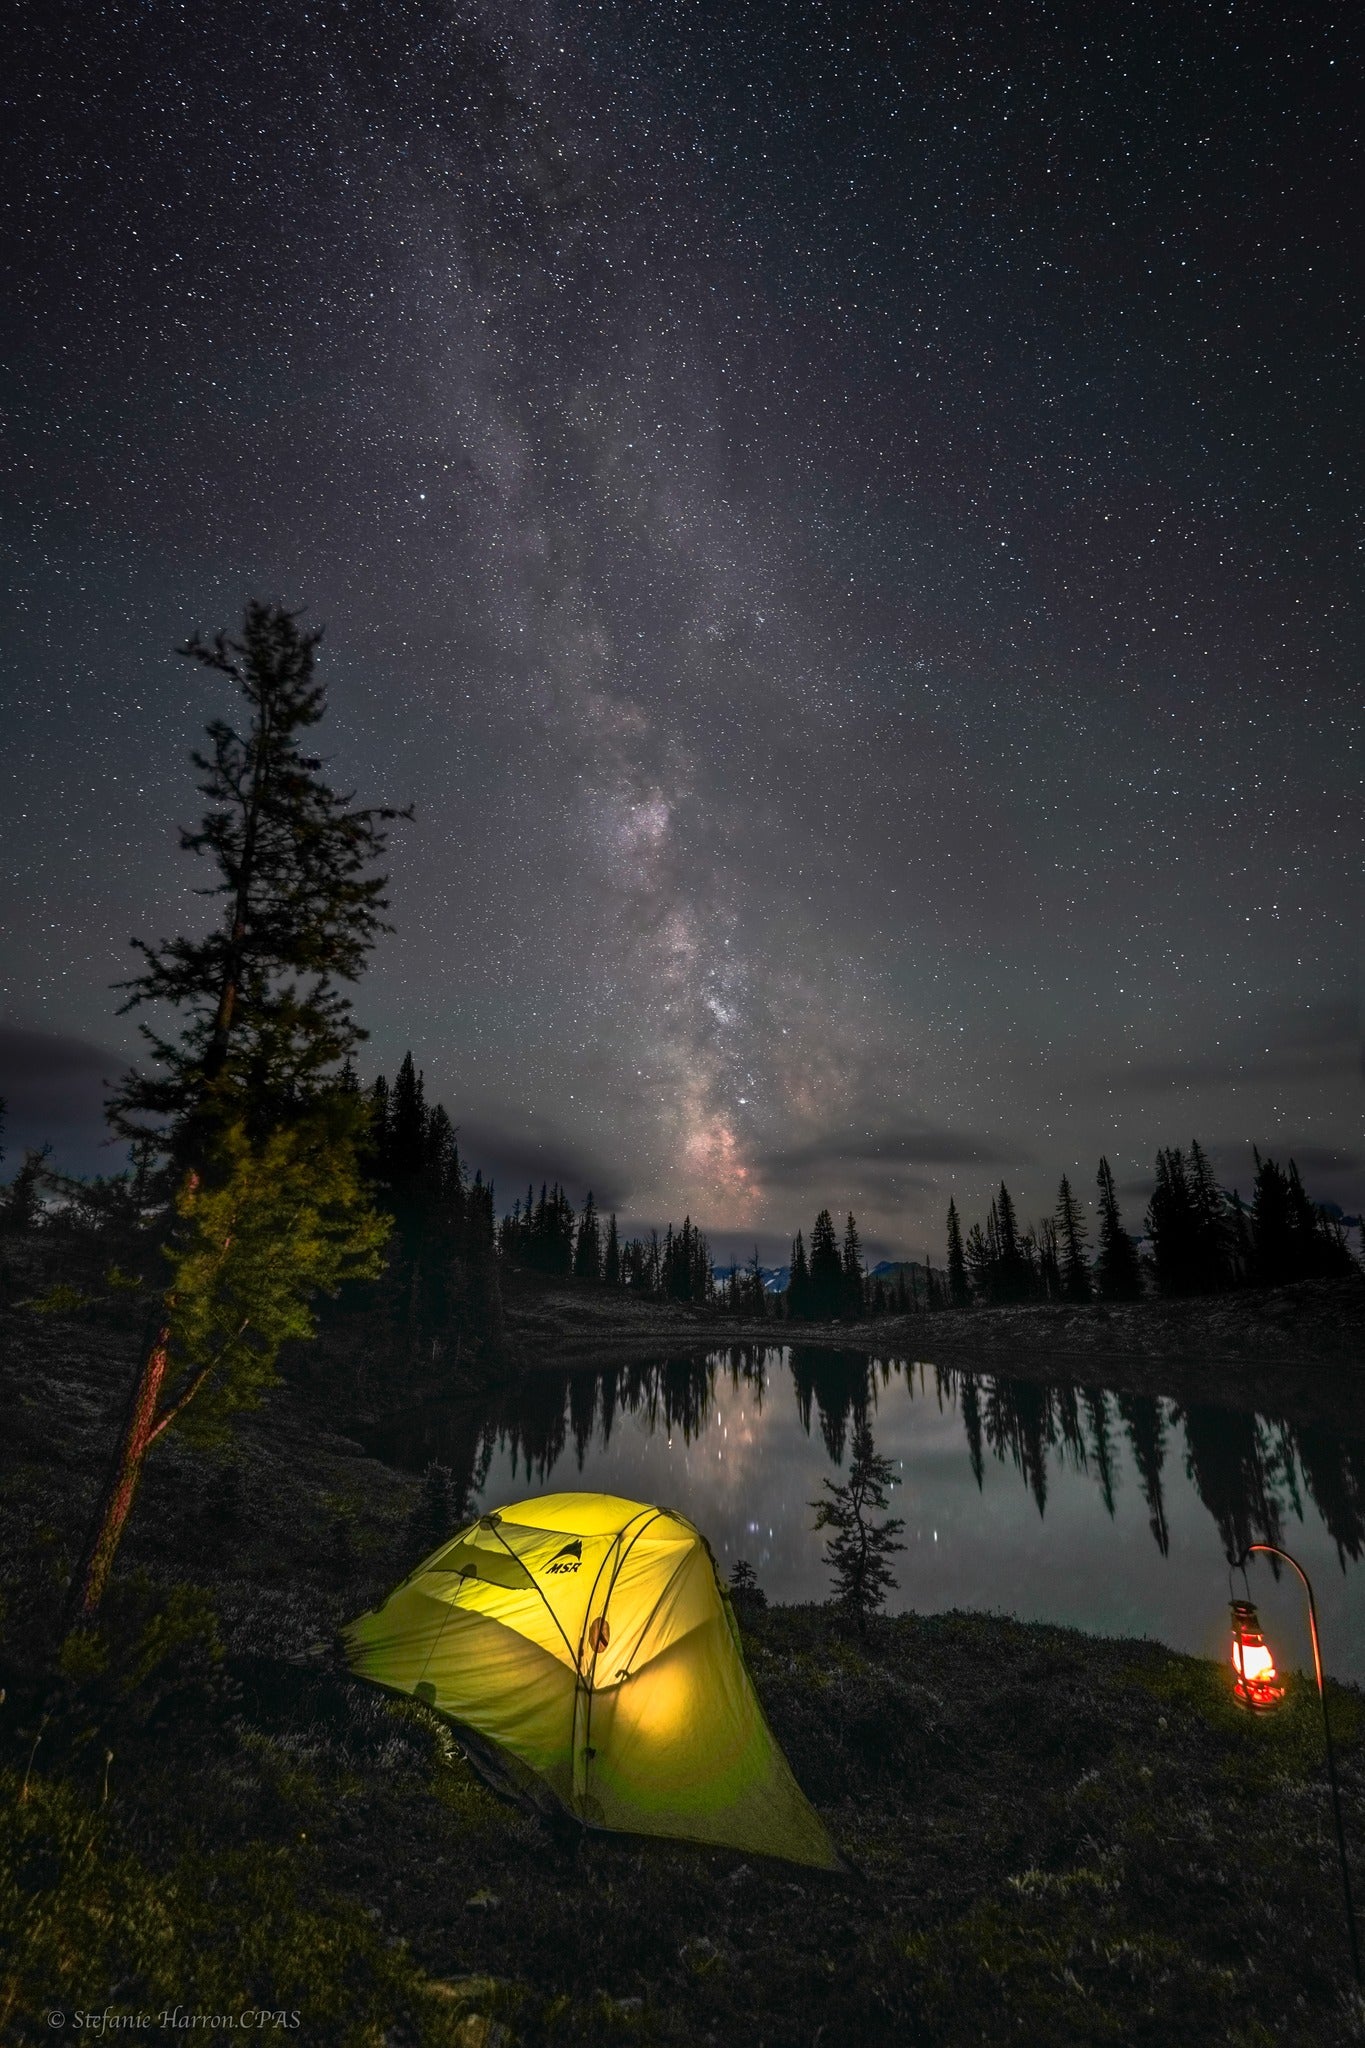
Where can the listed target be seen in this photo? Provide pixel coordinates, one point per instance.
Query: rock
(700, 1954)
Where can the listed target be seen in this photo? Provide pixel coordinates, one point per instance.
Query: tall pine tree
(1071, 1237)
(249, 1099)
(826, 1270)
(798, 1283)
(958, 1290)
(854, 1278)
(1118, 1276)
(587, 1257)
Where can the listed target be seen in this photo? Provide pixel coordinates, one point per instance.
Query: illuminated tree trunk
(120, 1489)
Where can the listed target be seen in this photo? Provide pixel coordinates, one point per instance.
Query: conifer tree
(407, 1129)
(263, 1021)
(375, 1146)
(1011, 1271)
(858, 1550)
(1049, 1259)
(1272, 1232)
(980, 1255)
(249, 1101)
(1212, 1228)
(587, 1258)
(1118, 1276)
(480, 1287)
(22, 1207)
(756, 1291)
(1071, 1237)
(826, 1270)
(959, 1292)
(1172, 1227)
(436, 1513)
(1243, 1259)
(747, 1597)
(1292, 1237)
(798, 1283)
(852, 1296)
(611, 1259)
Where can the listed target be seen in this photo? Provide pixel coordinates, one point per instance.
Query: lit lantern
(1256, 1683)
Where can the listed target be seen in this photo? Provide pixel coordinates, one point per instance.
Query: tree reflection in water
(1249, 1472)
(1145, 1422)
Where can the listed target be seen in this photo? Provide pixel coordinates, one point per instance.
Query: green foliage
(79, 1916)
(61, 1300)
(273, 1223)
(154, 1653)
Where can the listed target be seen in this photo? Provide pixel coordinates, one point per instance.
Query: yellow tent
(588, 1638)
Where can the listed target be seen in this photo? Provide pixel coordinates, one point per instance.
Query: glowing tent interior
(588, 1639)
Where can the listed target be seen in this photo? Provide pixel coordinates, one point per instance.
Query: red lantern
(1256, 1683)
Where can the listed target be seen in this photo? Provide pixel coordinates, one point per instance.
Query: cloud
(1308, 1042)
(54, 1088)
(515, 1158)
(892, 1151)
(1320, 1158)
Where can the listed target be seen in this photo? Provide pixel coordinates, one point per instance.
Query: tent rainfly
(589, 1640)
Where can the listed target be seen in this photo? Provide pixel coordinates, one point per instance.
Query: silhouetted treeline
(441, 1288)
(1200, 1239)
(830, 1282)
(545, 1236)
(444, 1265)
(746, 1291)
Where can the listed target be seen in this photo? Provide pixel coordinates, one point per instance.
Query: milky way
(836, 518)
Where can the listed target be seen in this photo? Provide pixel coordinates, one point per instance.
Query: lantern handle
(1238, 1565)
(1272, 1550)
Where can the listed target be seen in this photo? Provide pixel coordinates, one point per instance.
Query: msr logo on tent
(568, 1559)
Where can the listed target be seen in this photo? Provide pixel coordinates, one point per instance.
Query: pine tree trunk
(120, 1489)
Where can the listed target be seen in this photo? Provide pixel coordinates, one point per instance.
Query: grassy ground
(1055, 1839)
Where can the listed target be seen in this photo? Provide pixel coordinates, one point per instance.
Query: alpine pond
(1053, 1500)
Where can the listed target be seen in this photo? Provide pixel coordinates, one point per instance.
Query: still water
(1108, 1511)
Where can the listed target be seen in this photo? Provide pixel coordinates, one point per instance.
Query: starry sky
(840, 519)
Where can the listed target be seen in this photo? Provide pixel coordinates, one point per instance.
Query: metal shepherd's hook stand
(1272, 1550)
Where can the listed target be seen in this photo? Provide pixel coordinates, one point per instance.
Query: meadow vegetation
(1051, 1838)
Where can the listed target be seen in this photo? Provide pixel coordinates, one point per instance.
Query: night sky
(840, 518)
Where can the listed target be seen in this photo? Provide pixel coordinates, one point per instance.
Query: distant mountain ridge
(777, 1278)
